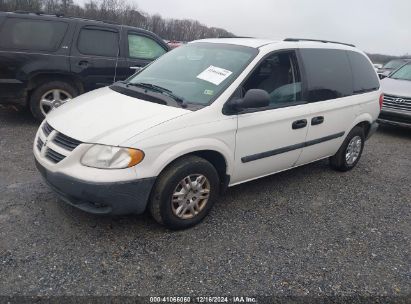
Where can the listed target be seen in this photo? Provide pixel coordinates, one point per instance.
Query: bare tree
(122, 12)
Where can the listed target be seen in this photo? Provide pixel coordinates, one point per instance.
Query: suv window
(328, 74)
(279, 76)
(143, 47)
(364, 76)
(26, 34)
(98, 42)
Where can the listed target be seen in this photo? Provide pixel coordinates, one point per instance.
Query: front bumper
(100, 198)
(395, 117)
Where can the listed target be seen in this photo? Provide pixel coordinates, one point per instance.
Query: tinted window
(279, 76)
(328, 74)
(144, 47)
(364, 76)
(98, 42)
(32, 34)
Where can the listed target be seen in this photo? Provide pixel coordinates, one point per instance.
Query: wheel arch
(41, 78)
(364, 121)
(219, 156)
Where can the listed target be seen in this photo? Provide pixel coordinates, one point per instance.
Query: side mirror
(254, 98)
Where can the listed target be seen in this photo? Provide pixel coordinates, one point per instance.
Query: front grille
(397, 102)
(58, 145)
(39, 144)
(47, 129)
(66, 142)
(54, 156)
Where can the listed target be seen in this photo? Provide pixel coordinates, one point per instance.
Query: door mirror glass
(254, 98)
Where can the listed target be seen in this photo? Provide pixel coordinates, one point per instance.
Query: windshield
(393, 64)
(197, 73)
(402, 73)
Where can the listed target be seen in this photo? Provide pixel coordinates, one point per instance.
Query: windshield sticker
(208, 92)
(215, 75)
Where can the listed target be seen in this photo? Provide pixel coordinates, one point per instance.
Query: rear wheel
(184, 193)
(350, 151)
(49, 96)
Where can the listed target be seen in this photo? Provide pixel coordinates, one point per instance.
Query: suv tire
(179, 207)
(45, 92)
(350, 151)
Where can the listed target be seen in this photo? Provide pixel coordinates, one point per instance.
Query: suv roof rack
(59, 15)
(40, 13)
(317, 40)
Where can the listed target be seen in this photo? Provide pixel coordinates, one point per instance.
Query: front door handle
(298, 124)
(317, 120)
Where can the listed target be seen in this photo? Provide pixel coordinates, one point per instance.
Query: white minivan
(206, 116)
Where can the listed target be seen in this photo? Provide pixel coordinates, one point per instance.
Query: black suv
(45, 60)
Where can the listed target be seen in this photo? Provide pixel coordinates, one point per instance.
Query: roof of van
(258, 43)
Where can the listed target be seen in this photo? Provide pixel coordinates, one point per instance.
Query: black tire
(160, 205)
(35, 98)
(339, 161)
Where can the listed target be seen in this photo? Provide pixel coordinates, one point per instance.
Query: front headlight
(108, 157)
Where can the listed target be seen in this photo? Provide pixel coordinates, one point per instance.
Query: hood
(396, 87)
(107, 117)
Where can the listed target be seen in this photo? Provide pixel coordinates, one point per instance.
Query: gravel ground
(308, 231)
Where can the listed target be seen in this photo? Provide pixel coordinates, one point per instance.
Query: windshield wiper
(161, 90)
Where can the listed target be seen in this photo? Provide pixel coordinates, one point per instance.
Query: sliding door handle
(317, 120)
(299, 124)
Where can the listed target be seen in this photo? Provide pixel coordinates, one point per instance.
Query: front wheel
(184, 193)
(49, 96)
(350, 151)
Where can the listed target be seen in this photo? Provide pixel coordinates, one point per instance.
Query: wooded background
(120, 11)
(124, 12)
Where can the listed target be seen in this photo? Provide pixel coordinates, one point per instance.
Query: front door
(139, 50)
(271, 139)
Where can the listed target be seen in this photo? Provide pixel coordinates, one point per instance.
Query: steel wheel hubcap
(53, 99)
(190, 196)
(353, 150)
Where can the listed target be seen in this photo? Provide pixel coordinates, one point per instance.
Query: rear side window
(364, 76)
(328, 74)
(98, 42)
(38, 35)
(144, 47)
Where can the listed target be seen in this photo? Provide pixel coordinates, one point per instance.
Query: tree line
(122, 12)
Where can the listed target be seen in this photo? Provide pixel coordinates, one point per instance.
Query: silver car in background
(396, 108)
(391, 66)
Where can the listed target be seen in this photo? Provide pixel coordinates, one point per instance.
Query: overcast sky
(375, 26)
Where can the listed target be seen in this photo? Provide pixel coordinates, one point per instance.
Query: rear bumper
(100, 198)
(395, 117)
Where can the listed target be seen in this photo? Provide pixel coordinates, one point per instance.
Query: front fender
(155, 165)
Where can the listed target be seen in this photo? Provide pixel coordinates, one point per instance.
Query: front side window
(98, 42)
(197, 72)
(328, 74)
(144, 47)
(279, 76)
(404, 73)
(25, 34)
